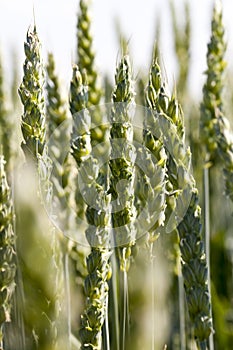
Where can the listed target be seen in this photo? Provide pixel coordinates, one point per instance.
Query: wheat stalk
(122, 175)
(121, 162)
(97, 233)
(193, 259)
(212, 124)
(33, 127)
(7, 250)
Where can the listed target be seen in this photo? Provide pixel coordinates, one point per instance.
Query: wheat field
(116, 196)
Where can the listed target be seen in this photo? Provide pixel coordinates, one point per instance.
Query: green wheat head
(121, 162)
(86, 63)
(193, 259)
(32, 97)
(153, 191)
(46, 326)
(56, 108)
(98, 219)
(85, 53)
(80, 138)
(212, 89)
(225, 150)
(215, 126)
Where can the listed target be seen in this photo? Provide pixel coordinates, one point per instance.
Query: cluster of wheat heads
(117, 185)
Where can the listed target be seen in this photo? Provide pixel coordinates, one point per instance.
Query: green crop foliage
(122, 243)
(7, 251)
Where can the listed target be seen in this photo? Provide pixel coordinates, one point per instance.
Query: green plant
(32, 97)
(122, 163)
(115, 179)
(182, 43)
(212, 102)
(39, 295)
(86, 63)
(97, 233)
(5, 122)
(193, 260)
(214, 127)
(57, 110)
(7, 251)
(57, 116)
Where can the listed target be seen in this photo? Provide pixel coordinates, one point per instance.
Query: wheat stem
(121, 164)
(181, 310)
(31, 92)
(7, 251)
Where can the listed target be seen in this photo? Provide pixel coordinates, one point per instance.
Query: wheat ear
(97, 233)
(193, 259)
(32, 97)
(86, 62)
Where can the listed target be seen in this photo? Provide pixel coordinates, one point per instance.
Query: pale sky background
(56, 24)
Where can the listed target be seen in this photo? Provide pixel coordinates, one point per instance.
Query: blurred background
(56, 22)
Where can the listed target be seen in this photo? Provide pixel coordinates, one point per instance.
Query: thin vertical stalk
(207, 217)
(181, 309)
(67, 294)
(152, 296)
(7, 251)
(125, 308)
(106, 334)
(155, 188)
(207, 238)
(56, 114)
(115, 327)
(18, 295)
